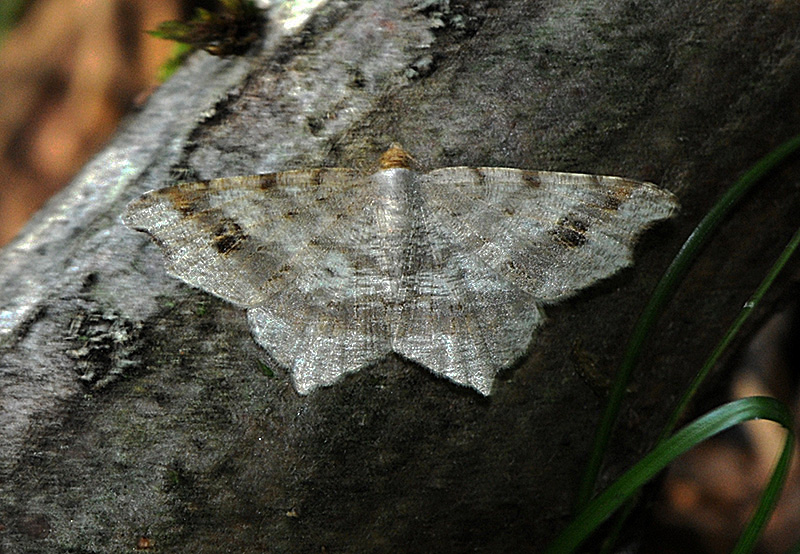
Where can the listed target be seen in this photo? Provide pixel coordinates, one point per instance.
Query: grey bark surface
(132, 405)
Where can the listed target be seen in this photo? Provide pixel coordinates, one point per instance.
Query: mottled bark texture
(134, 406)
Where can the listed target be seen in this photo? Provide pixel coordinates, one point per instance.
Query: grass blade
(716, 421)
(744, 314)
(662, 293)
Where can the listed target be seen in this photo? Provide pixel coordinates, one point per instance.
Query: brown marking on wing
(615, 197)
(481, 176)
(570, 232)
(267, 181)
(531, 179)
(316, 177)
(227, 236)
(187, 203)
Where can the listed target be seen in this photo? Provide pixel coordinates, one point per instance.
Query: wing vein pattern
(449, 269)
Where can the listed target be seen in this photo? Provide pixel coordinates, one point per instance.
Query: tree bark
(134, 406)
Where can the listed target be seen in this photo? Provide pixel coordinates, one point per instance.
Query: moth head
(394, 157)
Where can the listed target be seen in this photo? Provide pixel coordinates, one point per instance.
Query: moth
(449, 269)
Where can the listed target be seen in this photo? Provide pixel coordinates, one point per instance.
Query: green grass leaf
(605, 504)
(661, 295)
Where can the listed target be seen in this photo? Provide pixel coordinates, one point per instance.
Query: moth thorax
(395, 156)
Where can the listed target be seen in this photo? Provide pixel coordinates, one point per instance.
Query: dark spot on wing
(228, 236)
(612, 203)
(481, 176)
(615, 197)
(531, 179)
(570, 232)
(267, 181)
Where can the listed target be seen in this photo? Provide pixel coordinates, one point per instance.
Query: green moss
(230, 31)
